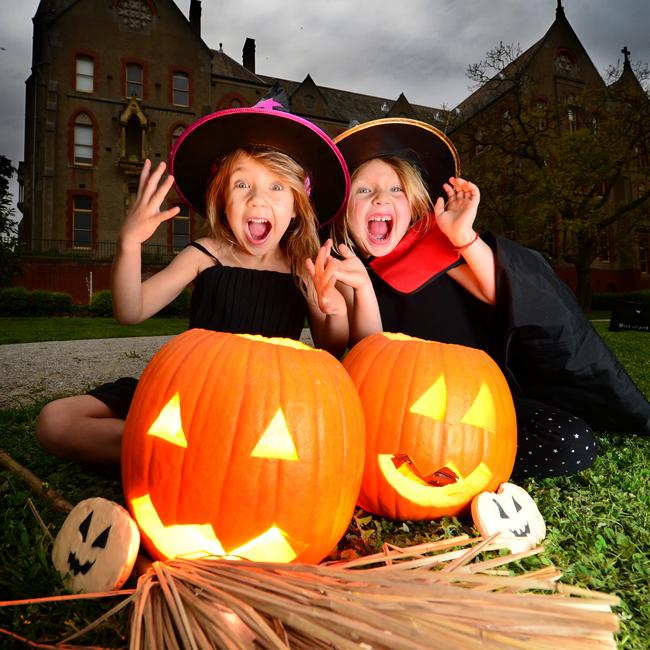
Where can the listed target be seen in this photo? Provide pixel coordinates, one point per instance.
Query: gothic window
(83, 139)
(641, 155)
(133, 138)
(84, 74)
(181, 229)
(181, 89)
(82, 222)
(134, 80)
(565, 63)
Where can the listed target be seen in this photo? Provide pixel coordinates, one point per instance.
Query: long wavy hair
(414, 188)
(301, 238)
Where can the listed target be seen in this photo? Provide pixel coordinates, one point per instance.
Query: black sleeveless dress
(229, 299)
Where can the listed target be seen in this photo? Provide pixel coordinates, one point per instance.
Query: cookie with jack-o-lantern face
(96, 547)
(242, 446)
(440, 425)
(511, 512)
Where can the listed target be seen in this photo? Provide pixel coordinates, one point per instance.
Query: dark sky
(418, 47)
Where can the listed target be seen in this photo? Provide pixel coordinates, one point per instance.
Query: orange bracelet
(458, 249)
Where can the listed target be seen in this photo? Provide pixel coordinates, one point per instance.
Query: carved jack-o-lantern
(440, 425)
(96, 547)
(244, 446)
(511, 512)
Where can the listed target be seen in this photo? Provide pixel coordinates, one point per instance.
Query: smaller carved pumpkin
(96, 547)
(440, 425)
(511, 512)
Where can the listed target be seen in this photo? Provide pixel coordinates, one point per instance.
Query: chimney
(249, 55)
(195, 17)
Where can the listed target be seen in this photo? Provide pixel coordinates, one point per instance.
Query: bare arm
(133, 300)
(456, 221)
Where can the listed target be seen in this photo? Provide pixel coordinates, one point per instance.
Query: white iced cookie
(96, 547)
(511, 512)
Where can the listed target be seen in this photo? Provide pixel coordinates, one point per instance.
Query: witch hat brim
(220, 133)
(422, 144)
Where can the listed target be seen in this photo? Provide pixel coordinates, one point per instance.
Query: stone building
(115, 82)
(548, 91)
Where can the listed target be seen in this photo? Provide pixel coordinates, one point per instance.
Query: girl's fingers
(162, 192)
(346, 252)
(311, 269)
(144, 176)
(152, 182)
(168, 214)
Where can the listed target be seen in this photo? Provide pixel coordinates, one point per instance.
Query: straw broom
(403, 598)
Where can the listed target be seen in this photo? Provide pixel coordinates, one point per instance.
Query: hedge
(607, 301)
(18, 301)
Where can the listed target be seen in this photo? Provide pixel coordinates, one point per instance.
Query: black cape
(552, 353)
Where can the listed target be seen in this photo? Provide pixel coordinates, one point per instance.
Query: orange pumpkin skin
(430, 408)
(231, 391)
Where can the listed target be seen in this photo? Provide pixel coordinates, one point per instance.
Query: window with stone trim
(84, 74)
(82, 222)
(83, 140)
(134, 80)
(180, 88)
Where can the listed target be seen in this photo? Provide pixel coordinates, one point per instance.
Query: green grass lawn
(31, 330)
(598, 523)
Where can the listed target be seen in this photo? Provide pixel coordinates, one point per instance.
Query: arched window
(133, 138)
(83, 139)
(541, 113)
(134, 80)
(84, 74)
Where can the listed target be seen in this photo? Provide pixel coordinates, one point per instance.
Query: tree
(559, 177)
(9, 256)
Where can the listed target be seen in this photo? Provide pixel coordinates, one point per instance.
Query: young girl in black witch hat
(265, 171)
(427, 273)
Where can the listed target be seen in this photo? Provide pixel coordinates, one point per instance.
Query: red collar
(417, 258)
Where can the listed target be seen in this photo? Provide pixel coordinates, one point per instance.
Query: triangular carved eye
(276, 441)
(433, 402)
(101, 539)
(502, 512)
(168, 425)
(482, 413)
(85, 525)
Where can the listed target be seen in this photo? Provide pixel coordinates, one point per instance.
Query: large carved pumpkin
(440, 425)
(245, 446)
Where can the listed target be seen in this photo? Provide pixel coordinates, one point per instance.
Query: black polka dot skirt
(551, 442)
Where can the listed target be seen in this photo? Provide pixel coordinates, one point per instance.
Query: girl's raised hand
(323, 273)
(456, 217)
(145, 215)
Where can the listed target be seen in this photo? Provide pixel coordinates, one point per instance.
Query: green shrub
(14, 301)
(607, 301)
(101, 304)
(18, 301)
(179, 307)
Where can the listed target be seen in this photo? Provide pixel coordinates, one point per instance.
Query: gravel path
(31, 371)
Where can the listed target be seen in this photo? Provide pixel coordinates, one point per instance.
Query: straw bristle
(408, 598)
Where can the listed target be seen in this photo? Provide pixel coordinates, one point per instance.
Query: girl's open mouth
(258, 230)
(379, 229)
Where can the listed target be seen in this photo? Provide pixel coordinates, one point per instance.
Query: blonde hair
(301, 238)
(415, 191)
